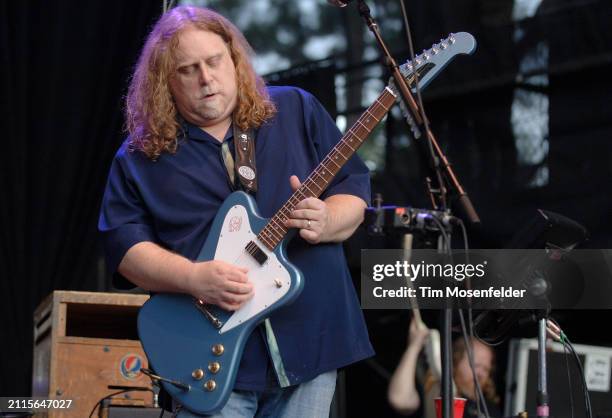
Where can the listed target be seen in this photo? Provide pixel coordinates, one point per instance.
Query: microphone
(339, 3)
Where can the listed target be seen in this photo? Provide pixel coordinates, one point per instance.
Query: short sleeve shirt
(173, 200)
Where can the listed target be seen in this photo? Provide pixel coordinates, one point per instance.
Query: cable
(446, 238)
(587, 397)
(557, 333)
(470, 329)
(569, 380)
(465, 237)
(435, 159)
(470, 354)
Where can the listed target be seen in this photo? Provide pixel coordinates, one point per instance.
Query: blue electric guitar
(195, 348)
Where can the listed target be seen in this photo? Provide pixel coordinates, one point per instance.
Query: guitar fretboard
(274, 232)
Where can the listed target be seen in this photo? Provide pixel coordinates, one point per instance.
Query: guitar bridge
(216, 322)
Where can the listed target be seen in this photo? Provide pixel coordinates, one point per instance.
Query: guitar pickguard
(271, 281)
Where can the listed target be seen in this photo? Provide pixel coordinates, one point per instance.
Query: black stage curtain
(64, 71)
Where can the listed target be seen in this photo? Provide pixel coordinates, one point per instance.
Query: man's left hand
(311, 216)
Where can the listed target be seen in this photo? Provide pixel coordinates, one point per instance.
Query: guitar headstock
(431, 61)
(428, 65)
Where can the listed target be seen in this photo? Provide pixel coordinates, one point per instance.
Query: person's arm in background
(402, 393)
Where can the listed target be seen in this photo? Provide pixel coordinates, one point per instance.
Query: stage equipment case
(85, 348)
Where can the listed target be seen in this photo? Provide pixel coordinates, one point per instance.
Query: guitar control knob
(214, 367)
(218, 349)
(278, 283)
(197, 374)
(210, 385)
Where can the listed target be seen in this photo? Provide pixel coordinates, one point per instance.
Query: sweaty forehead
(194, 44)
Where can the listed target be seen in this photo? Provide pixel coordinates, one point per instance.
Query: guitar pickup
(256, 252)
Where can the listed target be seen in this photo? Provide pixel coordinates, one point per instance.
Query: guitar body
(178, 337)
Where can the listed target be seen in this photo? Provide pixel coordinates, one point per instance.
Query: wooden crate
(85, 348)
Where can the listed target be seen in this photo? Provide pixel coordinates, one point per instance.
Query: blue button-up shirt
(173, 201)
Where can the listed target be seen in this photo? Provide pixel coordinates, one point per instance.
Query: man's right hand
(221, 284)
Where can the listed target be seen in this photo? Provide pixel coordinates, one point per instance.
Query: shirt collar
(198, 134)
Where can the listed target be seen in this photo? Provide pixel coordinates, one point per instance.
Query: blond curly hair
(150, 111)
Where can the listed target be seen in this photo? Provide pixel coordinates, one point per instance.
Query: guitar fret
(339, 151)
(354, 135)
(364, 126)
(275, 221)
(301, 197)
(352, 149)
(334, 162)
(313, 181)
(280, 234)
(309, 183)
(273, 240)
(289, 207)
(264, 240)
(372, 115)
(346, 148)
(308, 188)
(284, 210)
(320, 176)
(280, 227)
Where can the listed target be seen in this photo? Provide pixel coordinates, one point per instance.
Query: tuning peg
(451, 38)
(435, 49)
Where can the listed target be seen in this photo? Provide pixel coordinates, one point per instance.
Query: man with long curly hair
(192, 89)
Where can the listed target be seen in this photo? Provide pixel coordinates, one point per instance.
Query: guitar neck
(274, 232)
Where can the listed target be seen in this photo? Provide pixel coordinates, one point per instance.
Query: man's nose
(205, 75)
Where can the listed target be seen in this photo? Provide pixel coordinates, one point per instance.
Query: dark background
(65, 68)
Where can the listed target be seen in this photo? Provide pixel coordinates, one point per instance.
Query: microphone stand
(439, 159)
(441, 165)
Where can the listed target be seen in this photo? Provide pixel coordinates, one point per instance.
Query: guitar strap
(245, 169)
